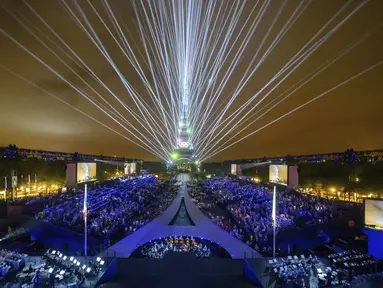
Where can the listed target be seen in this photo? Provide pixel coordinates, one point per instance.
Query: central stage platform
(179, 270)
(204, 228)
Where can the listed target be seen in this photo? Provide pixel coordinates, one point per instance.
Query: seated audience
(250, 205)
(114, 210)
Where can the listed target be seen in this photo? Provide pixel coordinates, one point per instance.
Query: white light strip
(78, 110)
(297, 108)
(189, 54)
(300, 58)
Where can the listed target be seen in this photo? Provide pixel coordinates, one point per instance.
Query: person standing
(313, 278)
(52, 281)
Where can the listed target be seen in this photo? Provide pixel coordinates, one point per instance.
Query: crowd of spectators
(10, 263)
(250, 208)
(113, 210)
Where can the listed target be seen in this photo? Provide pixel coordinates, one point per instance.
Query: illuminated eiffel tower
(184, 151)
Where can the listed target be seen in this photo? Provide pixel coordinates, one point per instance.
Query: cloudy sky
(347, 117)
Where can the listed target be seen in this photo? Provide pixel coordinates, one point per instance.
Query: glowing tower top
(184, 150)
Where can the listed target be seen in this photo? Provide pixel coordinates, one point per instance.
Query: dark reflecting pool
(182, 218)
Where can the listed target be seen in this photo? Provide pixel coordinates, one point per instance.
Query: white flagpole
(274, 218)
(85, 219)
(5, 188)
(14, 183)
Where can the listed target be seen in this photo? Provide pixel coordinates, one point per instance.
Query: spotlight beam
(189, 56)
(222, 56)
(88, 69)
(268, 51)
(292, 62)
(80, 111)
(158, 99)
(114, 112)
(219, 60)
(298, 85)
(82, 93)
(297, 108)
(129, 54)
(292, 19)
(92, 35)
(239, 88)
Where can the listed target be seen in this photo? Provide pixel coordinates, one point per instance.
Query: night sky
(348, 117)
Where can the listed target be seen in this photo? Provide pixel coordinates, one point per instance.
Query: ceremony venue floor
(159, 227)
(179, 270)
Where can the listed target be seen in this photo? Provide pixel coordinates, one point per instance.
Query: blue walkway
(159, 227)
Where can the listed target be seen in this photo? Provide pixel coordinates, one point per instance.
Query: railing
(349, 156)
(11, 153)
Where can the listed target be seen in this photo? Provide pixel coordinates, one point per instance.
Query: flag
(274, 205)
(85, 206)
